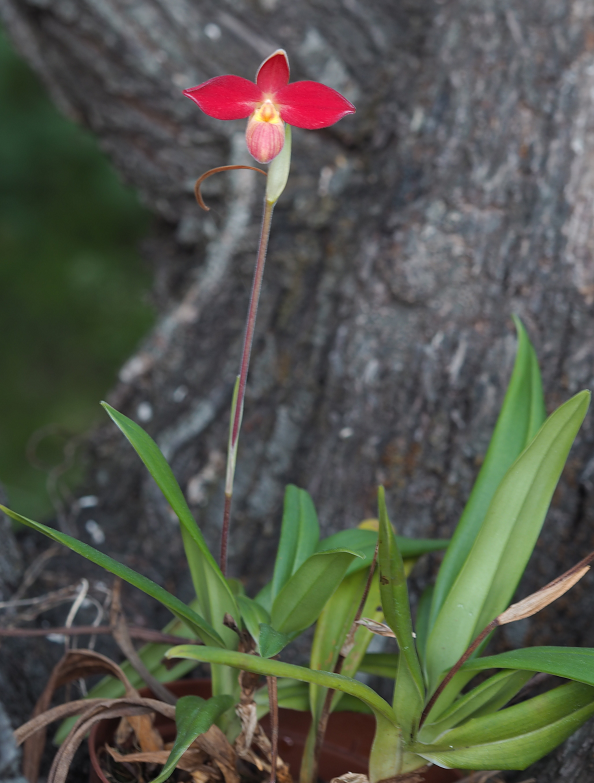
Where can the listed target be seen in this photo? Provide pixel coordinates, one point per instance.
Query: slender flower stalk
(239, 392)
(278, 174)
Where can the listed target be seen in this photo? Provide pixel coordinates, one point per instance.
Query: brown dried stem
(209, 173)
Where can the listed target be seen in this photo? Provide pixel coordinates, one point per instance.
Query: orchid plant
(353, 584)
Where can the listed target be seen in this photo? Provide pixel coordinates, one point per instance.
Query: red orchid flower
(269, 103)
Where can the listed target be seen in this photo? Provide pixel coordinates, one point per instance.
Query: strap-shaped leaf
(300, 532)
(517, 736)
(292, 694)
(488, 579)
(386, 759)
(521, 416)
(193, 620)
(380, 664)
(486, 698)
(272, 641)
(574, 663)
(210, 585)
(332, 627)
(409, 691)
(422, 624)
(193, 716)
(252, 614)
(299, 603)
(272, 668)
(364, 541)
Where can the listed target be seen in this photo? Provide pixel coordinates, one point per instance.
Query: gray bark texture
(462, 191)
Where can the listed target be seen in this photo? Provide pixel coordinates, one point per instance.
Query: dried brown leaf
(545, 596)
(191, 761)
(121, 634)
(74, 665)
(380, 629)
(112, 708)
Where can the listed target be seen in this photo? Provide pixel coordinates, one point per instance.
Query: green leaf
(492, 570)
(409, 690)
(264, 597)
(292, 695)
(332, 627)
(363, 636)
(193, 716)
(487, 697)
(272, 641)
(521, 416)
(364, 541)
(386, 754)
(299, 603)
(517, 736)
(193, 620)
(380, 664)
(422, 624)
(210, 585)
(574, 663)
(272, 668)
(299, 536)
(252, 614)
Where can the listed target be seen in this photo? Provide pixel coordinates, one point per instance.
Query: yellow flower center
(267, 112)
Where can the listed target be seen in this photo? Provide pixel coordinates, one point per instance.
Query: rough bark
(460, 192)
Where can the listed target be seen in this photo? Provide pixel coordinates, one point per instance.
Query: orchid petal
(273, 74)
(264, 139)
(311, 105)
(226, 97)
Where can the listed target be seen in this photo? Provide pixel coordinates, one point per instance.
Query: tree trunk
(461, 192)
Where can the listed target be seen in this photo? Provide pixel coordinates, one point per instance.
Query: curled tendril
(201, 179)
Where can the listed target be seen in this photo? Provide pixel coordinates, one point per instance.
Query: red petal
(311, 105)
(273, 74)
(226, 97)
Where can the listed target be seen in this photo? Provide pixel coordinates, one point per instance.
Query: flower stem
(239, 396)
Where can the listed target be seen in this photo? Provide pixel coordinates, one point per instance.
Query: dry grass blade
(112, 708)
(122, 636)
(74, 665)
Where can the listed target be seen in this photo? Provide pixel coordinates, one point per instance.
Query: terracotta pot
(346, 746)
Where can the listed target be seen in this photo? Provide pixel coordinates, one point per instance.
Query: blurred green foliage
(73, 290)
